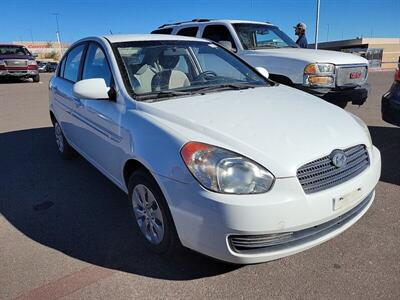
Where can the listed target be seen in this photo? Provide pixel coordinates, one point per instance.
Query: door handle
(77, 102)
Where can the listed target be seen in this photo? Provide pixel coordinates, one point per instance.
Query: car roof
(116, 38)
(197, 22)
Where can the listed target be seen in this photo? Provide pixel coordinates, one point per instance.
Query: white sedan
(213, 155)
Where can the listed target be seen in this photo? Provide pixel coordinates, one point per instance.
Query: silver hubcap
(59, 137)
(148, 214)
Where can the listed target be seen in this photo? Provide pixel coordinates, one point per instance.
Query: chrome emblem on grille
(338, 158)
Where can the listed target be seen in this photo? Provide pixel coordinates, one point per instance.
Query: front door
(101, 134)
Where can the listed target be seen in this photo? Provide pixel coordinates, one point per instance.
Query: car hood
(312, 55)
(279, 127)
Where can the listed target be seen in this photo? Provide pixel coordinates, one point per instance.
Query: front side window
(96, 65)
(218, 33)
(71, 70)
(260, 36)
(155, 67)
(61, 67)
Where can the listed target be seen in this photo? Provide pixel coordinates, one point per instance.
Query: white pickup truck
(337, 77)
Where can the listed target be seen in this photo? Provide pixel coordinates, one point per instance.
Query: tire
(149, 208)
(64, 149)
(342, 104)
(36, 78)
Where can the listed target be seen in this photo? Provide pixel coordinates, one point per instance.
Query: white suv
(213, 155)
(334, 76)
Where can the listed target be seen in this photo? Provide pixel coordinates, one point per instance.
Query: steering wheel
(206, 75)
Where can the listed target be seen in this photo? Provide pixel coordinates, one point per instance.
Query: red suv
(17, 62)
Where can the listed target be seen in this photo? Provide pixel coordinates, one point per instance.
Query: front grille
(16, 62)
(321, 174)
(255, 244)
(351, 76)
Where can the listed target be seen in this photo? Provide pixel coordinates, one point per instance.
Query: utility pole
(58, 34)
(30, 30)
(327, 34)
(316, 26)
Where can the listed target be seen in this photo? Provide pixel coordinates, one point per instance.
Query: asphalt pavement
(66, 231)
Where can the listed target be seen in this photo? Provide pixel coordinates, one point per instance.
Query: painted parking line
(68, 284)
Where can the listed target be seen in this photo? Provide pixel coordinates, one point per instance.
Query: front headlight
(2, 63)
(224, 171)
(320, 75)
(32, 63)
(364, 126)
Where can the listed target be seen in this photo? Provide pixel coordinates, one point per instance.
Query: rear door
(64, 103)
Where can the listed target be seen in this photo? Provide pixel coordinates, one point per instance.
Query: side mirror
(263, 72)
(227, 45)
(94, 88)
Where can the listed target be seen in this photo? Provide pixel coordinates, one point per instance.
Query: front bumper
(391, 105)
(205, 220)
(18, 73)
(357, 95)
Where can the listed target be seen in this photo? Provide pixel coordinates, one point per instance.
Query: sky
(339, 19)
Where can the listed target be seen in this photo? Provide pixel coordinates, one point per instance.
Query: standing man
(300, 31)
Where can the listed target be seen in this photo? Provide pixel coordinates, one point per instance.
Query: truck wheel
(342, 104)
(36, 78)
(151, 214)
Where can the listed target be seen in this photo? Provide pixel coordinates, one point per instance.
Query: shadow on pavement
(71, 207)
(14, 80)
(387, 139)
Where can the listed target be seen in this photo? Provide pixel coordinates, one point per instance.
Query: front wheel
(342, 104)
(152, 215)
(36, 78)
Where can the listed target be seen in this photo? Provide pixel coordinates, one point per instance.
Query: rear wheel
(36, 78)
(151, 213)
(65, 150)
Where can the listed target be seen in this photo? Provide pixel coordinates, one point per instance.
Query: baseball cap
(301, 25)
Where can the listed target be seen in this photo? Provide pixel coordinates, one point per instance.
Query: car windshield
(155, 69)
(261, 36)
(13, 50)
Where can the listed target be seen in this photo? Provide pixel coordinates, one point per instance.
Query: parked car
(213, 155)
(17, 62)
(391, 101)
(41, 66)
(337, 77)
(51, 66)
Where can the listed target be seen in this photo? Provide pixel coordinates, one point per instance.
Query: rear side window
(188, 31)
(218, 33)
(96, 65)
(71, 71)
(162, 31)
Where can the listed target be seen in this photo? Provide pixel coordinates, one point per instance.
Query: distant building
(44, 50)
(380, 52)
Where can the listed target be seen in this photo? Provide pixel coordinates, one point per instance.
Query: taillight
(397, 74)
(32, 67)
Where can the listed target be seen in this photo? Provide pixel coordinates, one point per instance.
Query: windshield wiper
(161, 94)
(228, 86)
